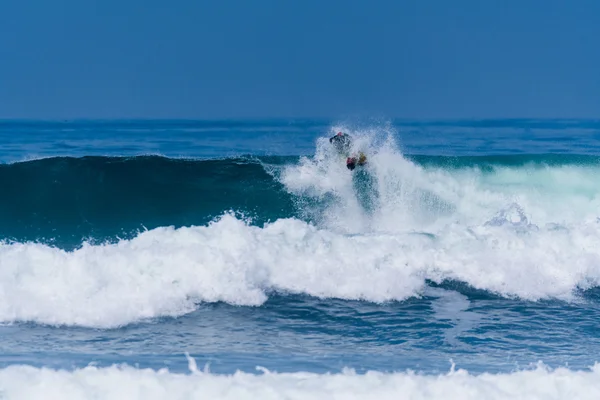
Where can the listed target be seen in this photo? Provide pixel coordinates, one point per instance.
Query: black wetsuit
(342, 144)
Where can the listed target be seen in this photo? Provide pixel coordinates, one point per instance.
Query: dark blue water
(22, 140)
(249, 243)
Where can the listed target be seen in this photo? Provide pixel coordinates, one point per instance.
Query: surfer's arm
(362, 159)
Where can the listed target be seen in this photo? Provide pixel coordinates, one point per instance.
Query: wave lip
(20, 382)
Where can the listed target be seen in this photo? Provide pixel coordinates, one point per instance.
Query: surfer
(343, 143)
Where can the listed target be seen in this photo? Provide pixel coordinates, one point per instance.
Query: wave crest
(167, 271)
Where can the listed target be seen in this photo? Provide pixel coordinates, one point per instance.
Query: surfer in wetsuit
(343, 143)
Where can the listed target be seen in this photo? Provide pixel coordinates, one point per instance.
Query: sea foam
(167, 271)
(116, 382)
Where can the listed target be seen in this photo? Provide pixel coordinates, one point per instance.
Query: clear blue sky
(267, 58)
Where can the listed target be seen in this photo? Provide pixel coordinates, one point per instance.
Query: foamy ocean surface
(242, 260)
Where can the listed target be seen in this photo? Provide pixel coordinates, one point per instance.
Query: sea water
(242, 259)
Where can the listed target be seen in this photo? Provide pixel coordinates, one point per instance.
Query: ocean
(241, 259)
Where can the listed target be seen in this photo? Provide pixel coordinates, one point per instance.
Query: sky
(422, 59)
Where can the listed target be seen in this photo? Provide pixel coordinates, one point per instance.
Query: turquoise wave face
(489, 162)
(67, 200)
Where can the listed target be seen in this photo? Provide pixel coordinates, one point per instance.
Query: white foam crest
(124, 382)
(401, 195)
(166, 271)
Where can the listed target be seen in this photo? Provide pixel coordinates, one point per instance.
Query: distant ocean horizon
(240, 258)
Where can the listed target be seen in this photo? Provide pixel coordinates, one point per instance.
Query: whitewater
(337, 284)
(130, 383)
